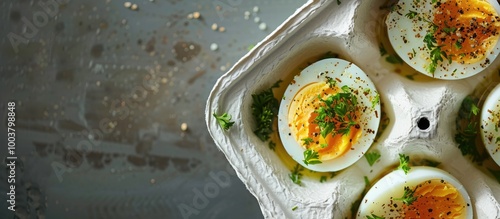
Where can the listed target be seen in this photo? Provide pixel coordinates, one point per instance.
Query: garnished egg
(329, 115)
(490, 123)
(426, 192)
(446, 39)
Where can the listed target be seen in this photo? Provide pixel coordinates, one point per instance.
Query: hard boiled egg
(329, 115)
(490, 123)
(446, 39)
(426, 192)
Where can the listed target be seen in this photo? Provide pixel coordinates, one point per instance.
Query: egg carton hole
(423, 123)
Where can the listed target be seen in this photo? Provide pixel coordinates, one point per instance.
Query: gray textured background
(101, 93)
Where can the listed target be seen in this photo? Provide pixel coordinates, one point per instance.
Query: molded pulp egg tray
(356, 31)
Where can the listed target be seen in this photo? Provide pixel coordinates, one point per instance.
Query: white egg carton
(349, 29)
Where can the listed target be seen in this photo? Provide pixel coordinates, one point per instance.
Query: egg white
(350, 75)
(406, 37)
(489, 112)
(392, 184)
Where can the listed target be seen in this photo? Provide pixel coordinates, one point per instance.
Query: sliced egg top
(447, 39)
(490, 123)
(342, 139)
(435, 194)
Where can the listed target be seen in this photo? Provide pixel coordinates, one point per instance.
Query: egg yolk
(466, 30)
(436, 199)
(302, 115)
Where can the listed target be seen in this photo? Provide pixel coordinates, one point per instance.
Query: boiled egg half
(490, 123)
(425, 192)
(446, 39)
(329, 115)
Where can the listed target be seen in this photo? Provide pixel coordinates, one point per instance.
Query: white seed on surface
(134, 7)
(196, 15)
(263, 26)
(214, 46)
(222, 29)
(255, 9)
(127, 4)
(184, 127)
(256, 19)
(214, 26)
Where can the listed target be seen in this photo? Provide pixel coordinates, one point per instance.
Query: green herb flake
(339, 107)
(411, 14)
(294, 208)
(367, 183)
(272, 145)
(264, 110)
(474, 109)
(449, 30)
(431, 163)
(296, 174)
(322, 179)
(376, 100)
(372, 157)
(311, 157)
(408, 196)
(404, 162)
(467, 129)
(224, 121)
(394, 59)
(382, 49)
(373, 216)
(250, 47)
(307, 141)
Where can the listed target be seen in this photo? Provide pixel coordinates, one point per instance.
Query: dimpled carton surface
(354, 30)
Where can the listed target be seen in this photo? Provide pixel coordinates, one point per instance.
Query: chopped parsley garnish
(296, 174)
(394, 59)
(224, 121)
(331, 82)
(382, 49)
(294, 208)
(372, 157)
(311, 157)
(436, 54)
(408, 196)
(376, 100)
(458, 45)
(337, 114)
(373, 216)
(322, 179)
(338, 2)
(367, 183)
(272, 145)
(449, 30)
(307, 141)
(404, 163)
(431, 163)
(264, 109)
(467, 129)
(411, 14)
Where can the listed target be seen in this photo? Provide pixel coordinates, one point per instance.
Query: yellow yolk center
(302, 116)
(436, 199)
(467, 30)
